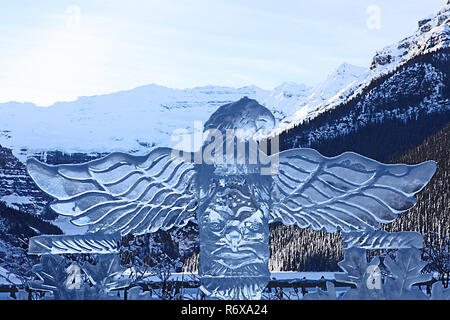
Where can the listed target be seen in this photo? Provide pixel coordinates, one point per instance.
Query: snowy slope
(433, 34)
(283, 99)
(130, 121)
(290, 101)
(345, 76)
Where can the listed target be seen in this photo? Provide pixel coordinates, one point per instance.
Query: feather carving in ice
(120, 192)
(382, 240)
(348, 193)
(88, 243)
(231, 197)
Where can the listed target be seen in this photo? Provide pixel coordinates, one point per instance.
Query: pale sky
(54, 50)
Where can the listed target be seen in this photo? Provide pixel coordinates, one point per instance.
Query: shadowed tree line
(293, 248)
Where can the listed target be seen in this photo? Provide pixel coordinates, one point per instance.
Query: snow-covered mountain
(299, 102)
(405, 79)
(347, 82)
(283, 99)
(290, 101)
(137, 119)
(129, 121)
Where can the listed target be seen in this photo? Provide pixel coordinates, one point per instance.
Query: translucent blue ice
(79, 281)
(374, 240)
(64, 244)
(232, 197)
(397, 283)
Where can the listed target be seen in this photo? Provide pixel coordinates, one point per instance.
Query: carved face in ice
(235, 234)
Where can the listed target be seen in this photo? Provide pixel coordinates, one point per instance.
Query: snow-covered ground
(13, 200)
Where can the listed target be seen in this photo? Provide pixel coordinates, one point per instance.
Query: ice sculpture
(365, 276)
(438, 292)
(67, 283)
(87, 243)
(233, 190)
(404, 272)
(374, 240)
(234, 238)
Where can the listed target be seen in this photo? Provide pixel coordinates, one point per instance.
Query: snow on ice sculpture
(233, 193)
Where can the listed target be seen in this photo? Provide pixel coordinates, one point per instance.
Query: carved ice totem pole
(233, 190)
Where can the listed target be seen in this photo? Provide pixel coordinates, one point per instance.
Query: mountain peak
(432, 34)
(348, 68)
(337, 80)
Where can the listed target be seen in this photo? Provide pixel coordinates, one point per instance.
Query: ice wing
(120, 192)
(348, 192)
